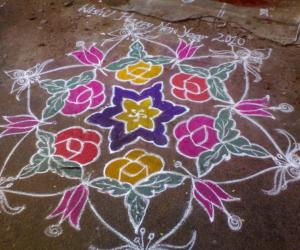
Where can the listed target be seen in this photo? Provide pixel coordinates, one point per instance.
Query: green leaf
(54, 104)
(218, 89)
(65, 168)
(56, 86)
(137, 206)
(209, 159)
(159, 60)
(222, 71)
(158, 183)
(226, 126)
(194, 70)
(82, 79)
(137, 50)
(38, 164)
(242, 146)
(45, 142)
(53, 87)
(122, 63)
(111, 186)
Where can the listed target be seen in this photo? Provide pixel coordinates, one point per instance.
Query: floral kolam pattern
(118, 116)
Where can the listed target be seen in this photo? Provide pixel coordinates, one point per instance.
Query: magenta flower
(83, 98)
(91, 56)
(254, 107)
(185, 50)
(196, 135)
(72, 205)
(18, 124)
(210, 195)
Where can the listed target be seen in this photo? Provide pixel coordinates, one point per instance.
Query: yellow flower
(134, 166)
(138, 114)
(139, 73)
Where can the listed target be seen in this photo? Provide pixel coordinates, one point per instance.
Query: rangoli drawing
(114, 117)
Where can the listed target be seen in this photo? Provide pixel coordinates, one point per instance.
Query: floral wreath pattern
(138, 175)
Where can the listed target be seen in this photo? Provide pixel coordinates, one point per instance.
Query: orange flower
(136, 165)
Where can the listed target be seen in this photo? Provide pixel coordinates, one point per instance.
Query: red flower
(190, 87)
(78, 144)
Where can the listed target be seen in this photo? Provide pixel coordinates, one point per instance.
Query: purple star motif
(119, 136)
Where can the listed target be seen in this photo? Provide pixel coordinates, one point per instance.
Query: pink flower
(185, 50)
(210, 195)
(196, 135)
(72, 205)
(84, 97)
(19, 124)
(254, 107)
(91, 56)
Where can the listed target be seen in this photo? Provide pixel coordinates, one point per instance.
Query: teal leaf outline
(110, 186)
(65, 168)
(54, 105)
(226, 126)
(218, 90)
(211, 158)
(122, 63)
(136, 206)
(158, 183)
(159, 60)
(199, 71)
(222, 71)
(137, 50)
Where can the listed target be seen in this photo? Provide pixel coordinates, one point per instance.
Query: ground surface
(36, 31)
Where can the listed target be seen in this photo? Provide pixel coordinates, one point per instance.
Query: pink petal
(84, 96)
(19, 118)
(211, 139)
(192, 51)
(205, 137)
(181, 130)
(72, 108)
(182, 44)
(97, 101)
(183, 53)
(208, 207)
(219, 191)
(249, 106)
(24, 124)
(91, 57)
(76, 213)
(80, 56)
(74, 93)
(262, 101)
(258, 113)
(199, 136)
(74, 200)
(96, 87)
(199, 121)
(13, 131)
(62, 204)
(187, 147)
(208, 194)
(98, 53)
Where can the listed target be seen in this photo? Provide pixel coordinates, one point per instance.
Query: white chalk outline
(283, 159)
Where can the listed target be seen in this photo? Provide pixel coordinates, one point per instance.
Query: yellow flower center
(138, 114)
